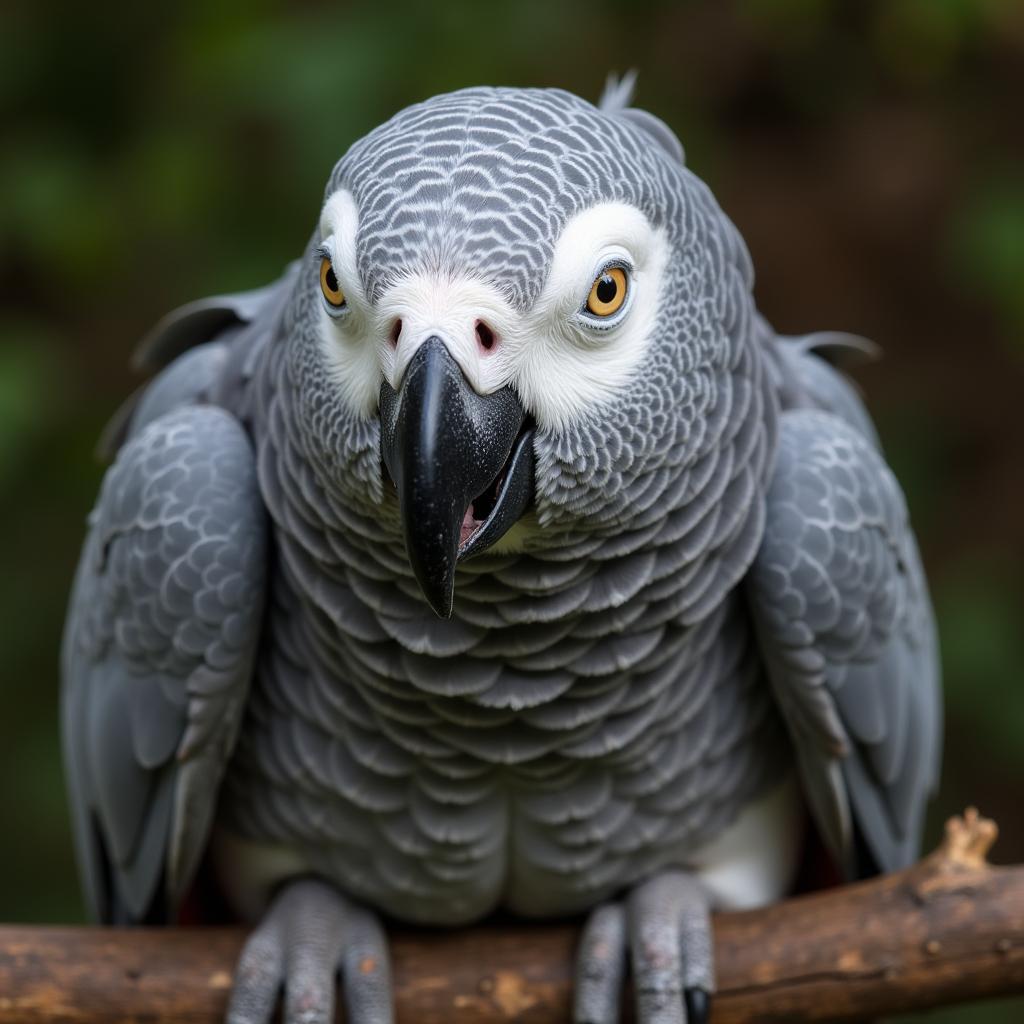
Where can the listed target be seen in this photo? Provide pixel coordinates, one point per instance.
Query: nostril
(485, 336)
(396, 333)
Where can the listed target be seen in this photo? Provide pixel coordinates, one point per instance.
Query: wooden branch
(947, 930)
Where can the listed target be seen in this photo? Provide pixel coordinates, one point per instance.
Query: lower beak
(462, 464)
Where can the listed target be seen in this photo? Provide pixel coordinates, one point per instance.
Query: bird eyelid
(325, 251)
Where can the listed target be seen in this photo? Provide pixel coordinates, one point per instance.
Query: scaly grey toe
(600, 966)
(670, 941)
(309, 936)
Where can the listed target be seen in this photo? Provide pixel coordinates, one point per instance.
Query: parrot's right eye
(329, 284)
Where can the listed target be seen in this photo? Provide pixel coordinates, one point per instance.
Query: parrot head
(524, 306)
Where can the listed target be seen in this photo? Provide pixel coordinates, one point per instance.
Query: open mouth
(495, 510)
(479, 509)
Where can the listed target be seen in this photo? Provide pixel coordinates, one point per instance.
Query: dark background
(872, 154)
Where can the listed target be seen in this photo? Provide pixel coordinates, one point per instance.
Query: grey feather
(618, 92)
(807, 381)
(844, 624)
(205, 319)
(155, 670)
(617, 98)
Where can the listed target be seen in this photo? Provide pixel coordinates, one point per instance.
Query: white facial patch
(450, 308)
(563, 367)
(561, 362)
(353, 349)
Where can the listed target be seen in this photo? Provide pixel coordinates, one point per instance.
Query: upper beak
(452, 454)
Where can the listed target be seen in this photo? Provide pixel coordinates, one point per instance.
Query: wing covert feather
(847, 633)
(158, 649)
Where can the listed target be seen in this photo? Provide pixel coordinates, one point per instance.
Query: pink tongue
(469, 526)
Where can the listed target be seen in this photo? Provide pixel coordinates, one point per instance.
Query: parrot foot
(666, 924)
(310, 934)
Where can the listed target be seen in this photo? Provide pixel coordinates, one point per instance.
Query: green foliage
(983, 649)
(988, 248)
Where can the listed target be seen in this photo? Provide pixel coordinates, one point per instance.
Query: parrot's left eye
(607, 300)
(329, 284)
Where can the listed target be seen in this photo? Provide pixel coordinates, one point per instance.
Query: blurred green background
(872, 154)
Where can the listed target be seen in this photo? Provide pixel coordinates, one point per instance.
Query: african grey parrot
(499, 555)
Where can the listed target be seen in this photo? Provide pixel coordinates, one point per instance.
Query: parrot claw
(309, 936)
(666, 925)
(698, 1005)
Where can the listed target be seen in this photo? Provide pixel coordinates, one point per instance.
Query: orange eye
(329, 284)
(608, 292)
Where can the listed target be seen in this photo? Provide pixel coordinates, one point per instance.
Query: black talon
(698, 1006)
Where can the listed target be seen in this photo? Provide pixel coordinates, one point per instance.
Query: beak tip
(440, 595)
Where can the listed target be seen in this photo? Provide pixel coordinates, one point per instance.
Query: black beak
(462, 464)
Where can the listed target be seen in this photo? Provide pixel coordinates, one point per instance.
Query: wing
(204, 319)
(191, 346)
(847, 634)
(158, 651)
(809, 376)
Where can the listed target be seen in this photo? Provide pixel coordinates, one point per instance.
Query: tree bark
(948, 929)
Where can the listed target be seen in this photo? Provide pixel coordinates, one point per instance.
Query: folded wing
(847, 633)
(158, 652)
